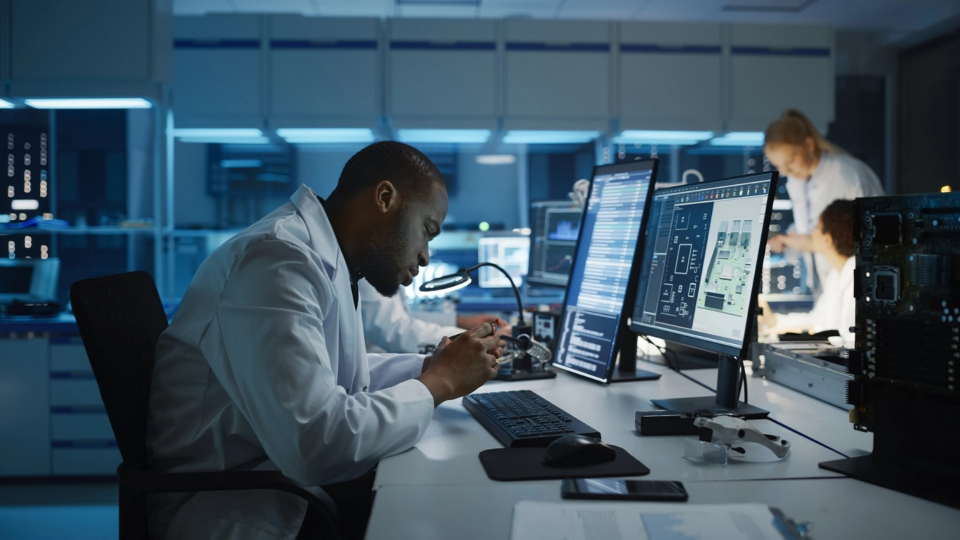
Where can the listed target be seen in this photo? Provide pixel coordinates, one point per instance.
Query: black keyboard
(523, 418)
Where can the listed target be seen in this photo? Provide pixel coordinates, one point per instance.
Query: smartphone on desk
(615, 489)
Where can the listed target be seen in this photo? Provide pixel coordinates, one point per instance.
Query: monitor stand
(626, 369)
(726, 401)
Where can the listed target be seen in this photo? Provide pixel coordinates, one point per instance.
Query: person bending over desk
(818, 173)
(390, 325)
(835, 309)
(264, 366)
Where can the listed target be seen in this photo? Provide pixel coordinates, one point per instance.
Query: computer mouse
(577, 451)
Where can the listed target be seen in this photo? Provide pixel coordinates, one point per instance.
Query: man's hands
(462, 365)
(469, 321)
(800, 242)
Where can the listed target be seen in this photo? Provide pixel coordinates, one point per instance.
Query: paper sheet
(534, 520)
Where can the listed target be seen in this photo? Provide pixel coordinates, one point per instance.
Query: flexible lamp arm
(516, 292)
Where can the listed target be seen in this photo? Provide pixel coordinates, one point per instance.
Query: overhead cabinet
(773, 68)
(442, 70)
(323, 72)
(218, 62)
(557, 70)
(670, 76)
(108, 48)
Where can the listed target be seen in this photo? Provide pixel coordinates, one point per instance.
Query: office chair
(120, 318)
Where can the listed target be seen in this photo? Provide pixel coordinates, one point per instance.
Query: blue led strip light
(336, 44)
(216, 43)
(439, 45)
(786, 51)
(548, 47)
(678, 49)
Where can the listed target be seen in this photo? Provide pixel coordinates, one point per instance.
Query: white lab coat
(838, 176)
(835, 309)
(389, 323)
(264, 368)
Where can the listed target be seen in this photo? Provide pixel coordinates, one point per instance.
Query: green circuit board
(727, 281)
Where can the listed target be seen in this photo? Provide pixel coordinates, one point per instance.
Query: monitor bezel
(540, 282)
(627, 308)
(699, 343)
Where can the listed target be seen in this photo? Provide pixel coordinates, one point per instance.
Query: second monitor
(602, 278)
(700, 273)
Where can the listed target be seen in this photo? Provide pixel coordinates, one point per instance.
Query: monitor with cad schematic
(593, 327)
(700, 273)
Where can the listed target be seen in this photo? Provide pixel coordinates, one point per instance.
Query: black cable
(663, 351)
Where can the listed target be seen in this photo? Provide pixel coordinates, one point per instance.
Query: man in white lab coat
(389, 324)
(264, 366)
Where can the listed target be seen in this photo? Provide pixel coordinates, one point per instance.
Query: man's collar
(355, 276)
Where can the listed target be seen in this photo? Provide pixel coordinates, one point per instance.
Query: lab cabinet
(52, 419)
(218, 61)
(323, 72)
(444, 69)
(24, 408)
(773, 68)
(557, 70)
(77, 52)
(670, 76)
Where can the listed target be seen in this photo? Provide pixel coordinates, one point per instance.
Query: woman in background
(818, 173)
(835, 309)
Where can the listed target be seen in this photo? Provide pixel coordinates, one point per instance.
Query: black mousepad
(508, 464)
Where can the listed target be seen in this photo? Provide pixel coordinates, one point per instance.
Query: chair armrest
(147, 482)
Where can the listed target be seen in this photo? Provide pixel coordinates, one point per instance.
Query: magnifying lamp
(461, 279)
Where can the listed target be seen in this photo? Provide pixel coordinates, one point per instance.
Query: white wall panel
(773, 68)
(670, 76)
(218, 63)
(557, 70)
(444, 69)
(323, 71)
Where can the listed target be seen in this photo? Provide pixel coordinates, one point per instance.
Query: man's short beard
(380, 261)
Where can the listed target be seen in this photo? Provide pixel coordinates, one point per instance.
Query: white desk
(821, 421)
(839, 508)
(447, 453)
(438, 489)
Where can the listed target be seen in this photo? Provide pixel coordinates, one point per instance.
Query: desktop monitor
(511, 252)
(555, 226)
(700, 273)
(595, 309)
(28, 280)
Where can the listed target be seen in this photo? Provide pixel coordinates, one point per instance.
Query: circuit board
(907, 287)
(725, 285)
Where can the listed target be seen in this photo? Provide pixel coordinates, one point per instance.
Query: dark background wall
(929, 116)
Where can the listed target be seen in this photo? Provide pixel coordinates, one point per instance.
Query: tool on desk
(733, 432)
(526, 359)
(616, 489)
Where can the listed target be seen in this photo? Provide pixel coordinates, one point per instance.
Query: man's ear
(387, 197)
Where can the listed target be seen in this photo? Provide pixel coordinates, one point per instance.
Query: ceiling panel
(303, 7)
(894, 16)
(444, 11)
(201, 7)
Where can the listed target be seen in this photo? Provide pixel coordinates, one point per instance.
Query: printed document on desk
(535, 520)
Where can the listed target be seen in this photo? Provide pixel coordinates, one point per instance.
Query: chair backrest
(120, 318)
